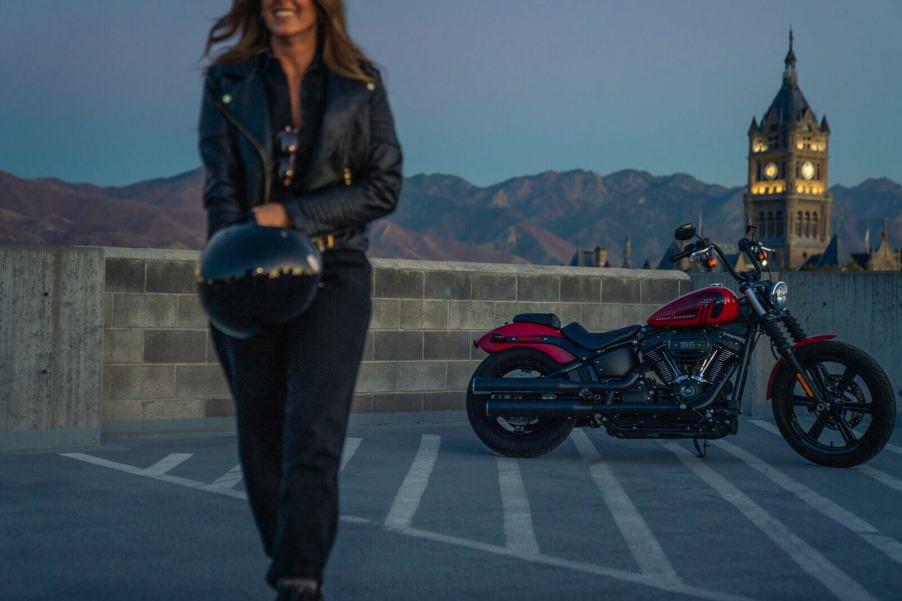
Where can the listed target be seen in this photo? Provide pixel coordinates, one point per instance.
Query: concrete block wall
(159, 361)
(420, 355)
(158, 356)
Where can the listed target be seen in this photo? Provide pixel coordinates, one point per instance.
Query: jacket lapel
(341, 103)
(247, 105)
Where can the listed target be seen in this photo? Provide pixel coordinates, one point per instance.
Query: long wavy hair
(340, 53)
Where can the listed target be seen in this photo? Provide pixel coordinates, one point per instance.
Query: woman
(295, 127)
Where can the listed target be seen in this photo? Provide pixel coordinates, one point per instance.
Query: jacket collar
(248, 106)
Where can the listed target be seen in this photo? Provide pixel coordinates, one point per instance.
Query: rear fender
(782, 361)
(528, 335)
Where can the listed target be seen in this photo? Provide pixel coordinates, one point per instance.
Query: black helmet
(252, 276)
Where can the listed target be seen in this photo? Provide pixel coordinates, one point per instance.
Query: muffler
(568, 406)
(538, 386)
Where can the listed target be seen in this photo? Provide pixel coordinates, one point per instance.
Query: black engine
(687, 363)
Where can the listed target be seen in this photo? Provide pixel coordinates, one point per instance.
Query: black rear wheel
(858, 415)
(516, 436)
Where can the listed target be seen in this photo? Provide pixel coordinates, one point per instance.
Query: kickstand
(701, 450)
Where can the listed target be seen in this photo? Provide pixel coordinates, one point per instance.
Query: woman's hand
(272, 214)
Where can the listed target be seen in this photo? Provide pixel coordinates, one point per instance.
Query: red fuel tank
(714, 305)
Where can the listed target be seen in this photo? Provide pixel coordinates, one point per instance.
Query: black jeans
(293, 387)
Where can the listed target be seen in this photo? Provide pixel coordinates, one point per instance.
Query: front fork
(771, 326)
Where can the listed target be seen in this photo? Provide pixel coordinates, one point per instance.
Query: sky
(108, 91)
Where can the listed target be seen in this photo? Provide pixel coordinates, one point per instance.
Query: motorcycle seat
(546, 319)
(592, 341)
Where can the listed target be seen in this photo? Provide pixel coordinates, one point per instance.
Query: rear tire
(514, 436)
(808, 429)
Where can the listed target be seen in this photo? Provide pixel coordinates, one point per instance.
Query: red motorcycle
(682, 374)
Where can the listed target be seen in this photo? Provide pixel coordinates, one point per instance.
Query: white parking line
(885, 544)
(168, 463)
(766, 425)
(518, 530)
(407, 500)
(650, 580)
(642, 543)
(878, 475)
(881, 477)
(228, 480)
(350, 447)
(807, 557)
(138, 471)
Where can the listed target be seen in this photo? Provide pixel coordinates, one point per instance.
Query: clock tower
(787, 197)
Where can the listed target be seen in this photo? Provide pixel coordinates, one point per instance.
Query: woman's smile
(288, 18)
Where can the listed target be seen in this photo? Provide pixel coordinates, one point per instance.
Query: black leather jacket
(354, 172)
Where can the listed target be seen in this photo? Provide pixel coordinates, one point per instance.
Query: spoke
(845, 430)
(803, 401)
(858, 407)
(818, 427)
(847, 377)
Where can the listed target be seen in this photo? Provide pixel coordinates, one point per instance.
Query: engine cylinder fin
(661, 366)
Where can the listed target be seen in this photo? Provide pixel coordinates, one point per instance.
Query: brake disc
(855, 417)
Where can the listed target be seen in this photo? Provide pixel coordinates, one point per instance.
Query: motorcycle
(682, 374)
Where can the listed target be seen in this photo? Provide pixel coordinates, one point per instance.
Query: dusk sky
(108, 91)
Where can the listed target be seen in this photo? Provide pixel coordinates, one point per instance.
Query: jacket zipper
(267, 175)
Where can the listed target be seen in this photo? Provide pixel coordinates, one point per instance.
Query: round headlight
(778, 294)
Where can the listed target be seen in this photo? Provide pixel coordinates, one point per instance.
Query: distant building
(884, 258)
(597, 257)
(787, 197)
(835, 257)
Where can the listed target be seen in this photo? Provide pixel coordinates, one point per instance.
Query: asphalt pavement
(429, 513)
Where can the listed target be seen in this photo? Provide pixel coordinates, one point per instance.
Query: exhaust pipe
(484, 386)
(570, 407)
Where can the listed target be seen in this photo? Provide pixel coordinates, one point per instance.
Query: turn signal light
(762, 256)
(711, 262)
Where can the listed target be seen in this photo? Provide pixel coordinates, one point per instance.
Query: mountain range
(540, 218)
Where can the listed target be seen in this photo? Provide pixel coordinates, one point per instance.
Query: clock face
(808, 170)
(770, 171)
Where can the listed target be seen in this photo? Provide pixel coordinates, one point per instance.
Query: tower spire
(790, 61)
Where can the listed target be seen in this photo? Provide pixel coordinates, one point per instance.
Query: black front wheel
(516, 436)
(857, 416)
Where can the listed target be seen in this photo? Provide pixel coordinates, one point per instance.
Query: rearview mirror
(685, 232)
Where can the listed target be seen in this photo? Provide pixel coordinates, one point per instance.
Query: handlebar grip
(678, 256)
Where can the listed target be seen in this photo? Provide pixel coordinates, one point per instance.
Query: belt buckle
(323, 243)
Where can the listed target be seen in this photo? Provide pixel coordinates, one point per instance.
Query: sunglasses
(288, 142)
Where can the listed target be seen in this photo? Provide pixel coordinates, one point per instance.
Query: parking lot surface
(429, 513)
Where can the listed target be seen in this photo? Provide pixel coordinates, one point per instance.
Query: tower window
(799, 225)
(779, 233)
(807, 228)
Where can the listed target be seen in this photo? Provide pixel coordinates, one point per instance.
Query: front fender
(782, 361)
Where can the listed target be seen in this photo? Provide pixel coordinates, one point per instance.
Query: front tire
(861, 414)
(514, 436)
